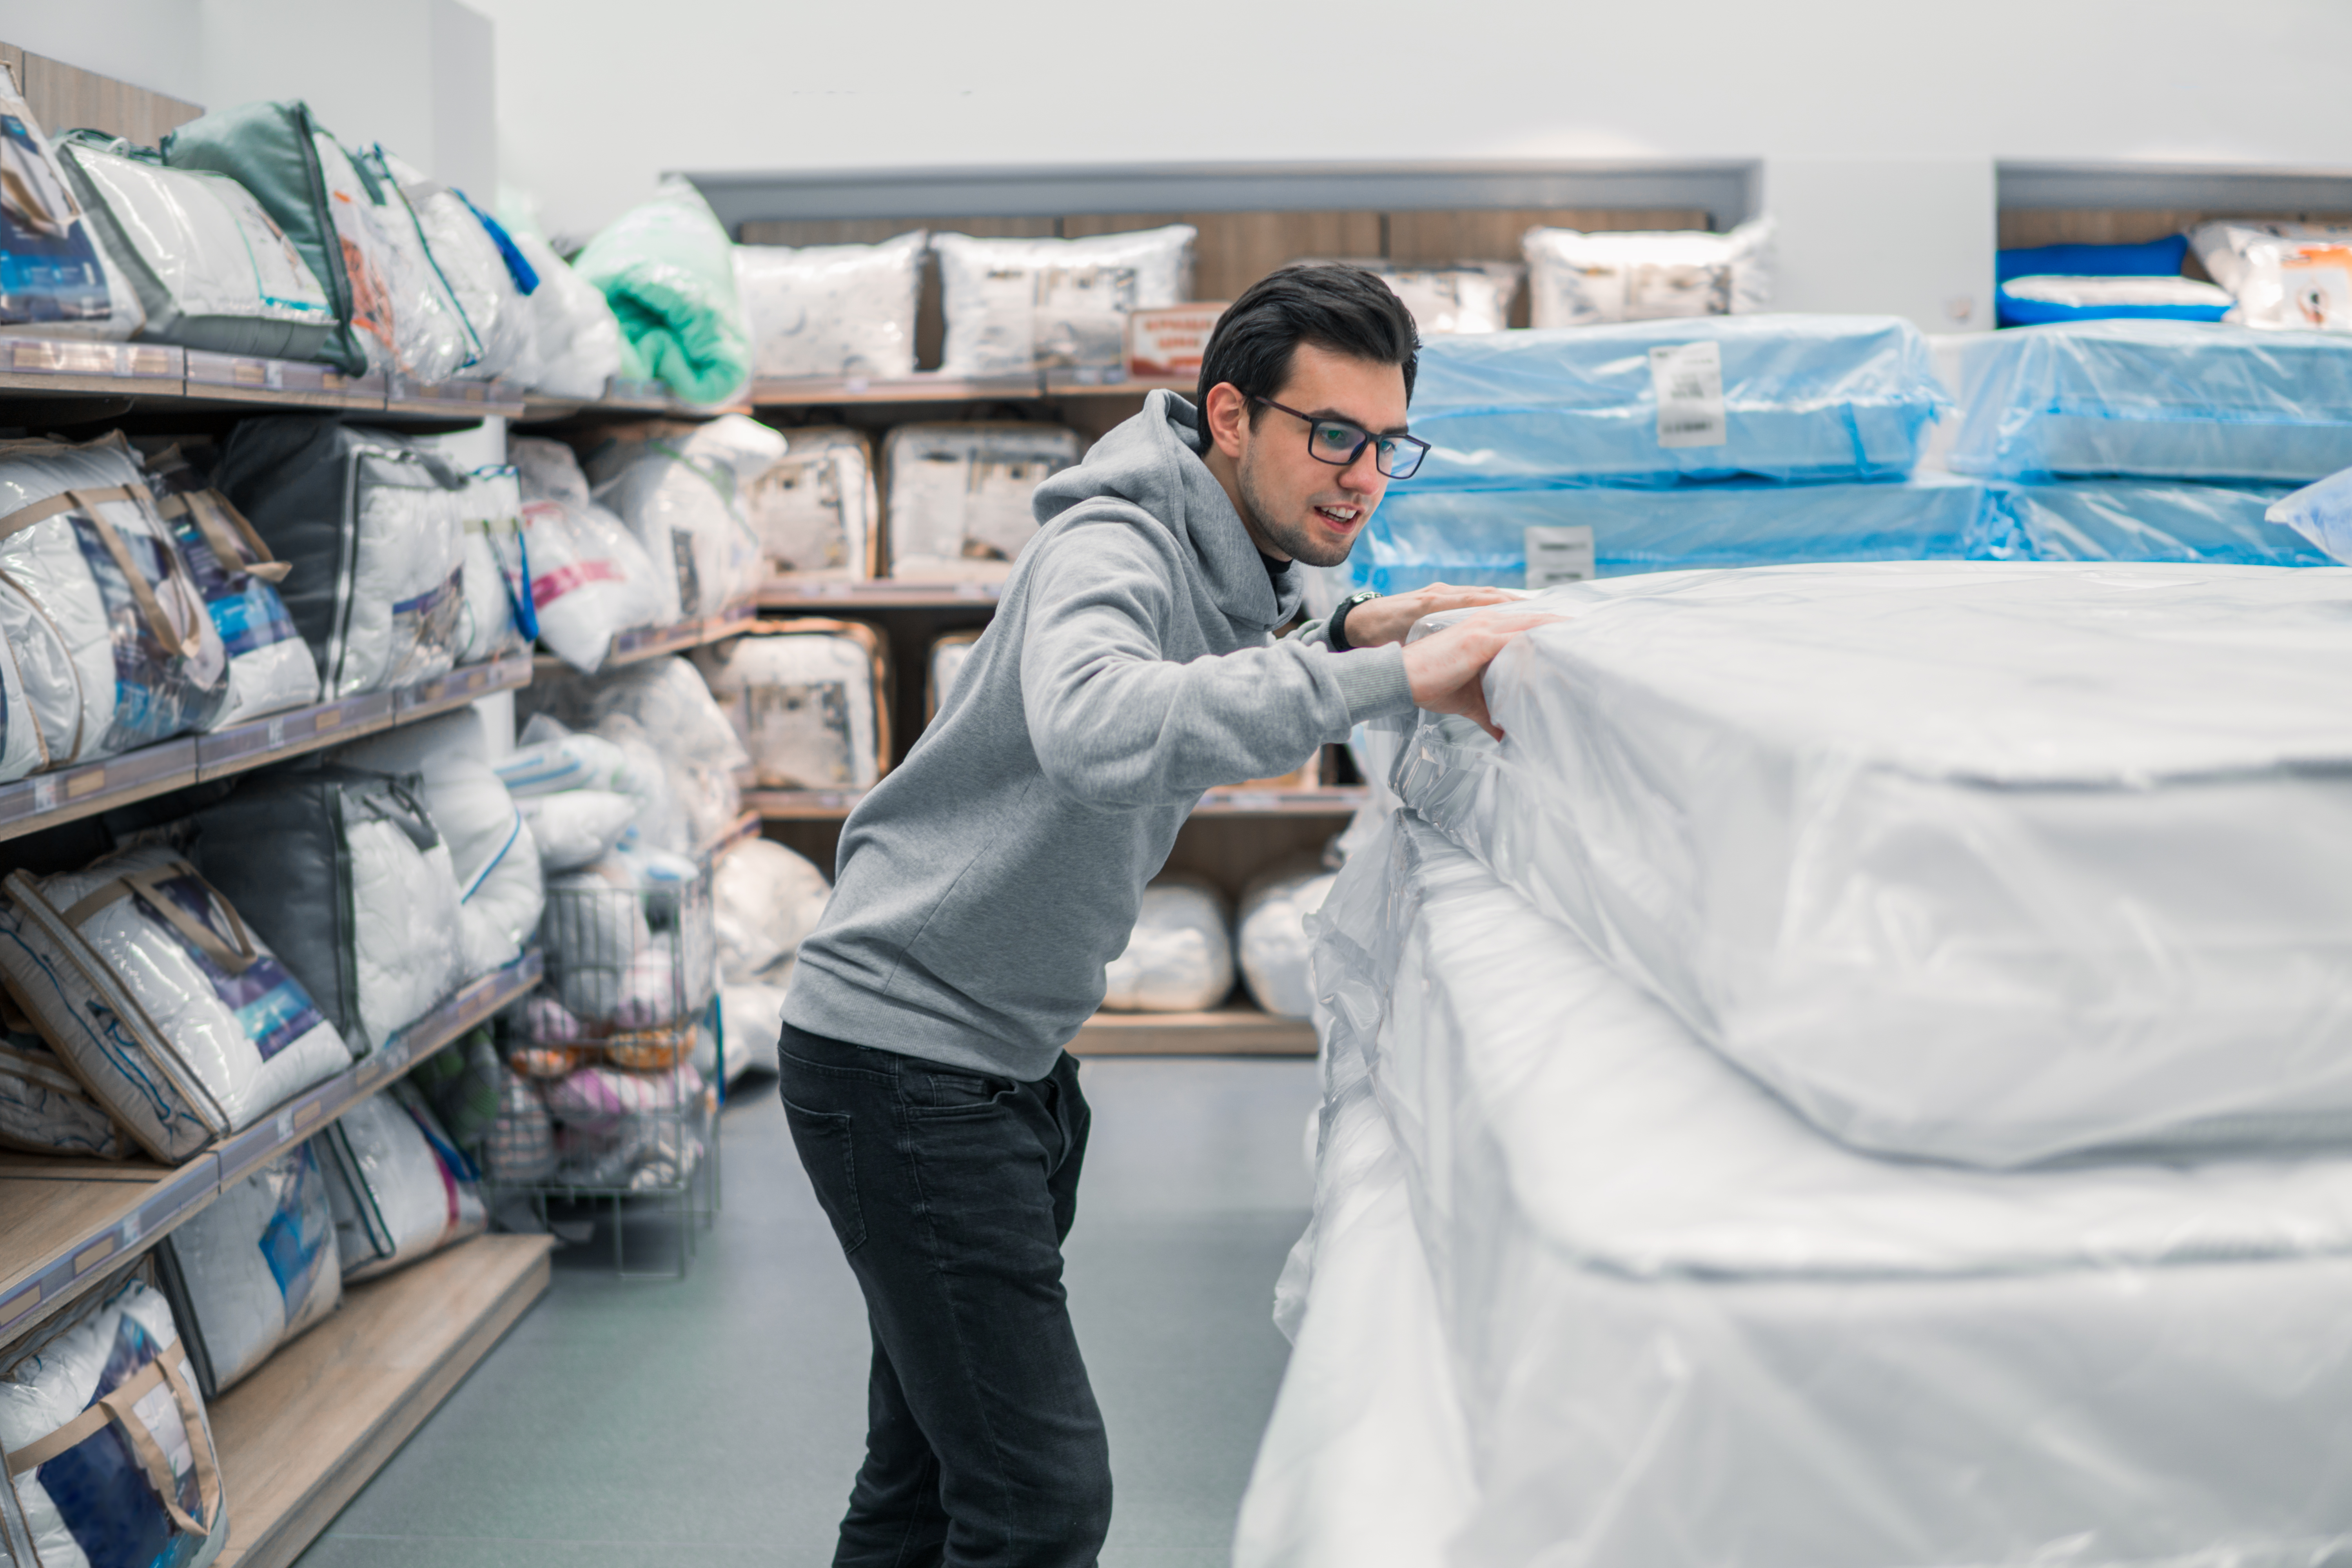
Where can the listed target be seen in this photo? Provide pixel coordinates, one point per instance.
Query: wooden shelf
(302, 1436)
(151, 378)
(834, 805)
(834, 595)
(622, 400)
(1223, 1032)
(71, 1222)
(930, 387)
(652, 642)
(802, 804)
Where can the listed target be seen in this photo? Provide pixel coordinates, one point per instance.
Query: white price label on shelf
(45, 793)
(1557, 556)
(130, 1231)
(284, 1126)
(1688, 381)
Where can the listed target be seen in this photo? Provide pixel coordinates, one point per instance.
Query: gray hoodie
(986, 882)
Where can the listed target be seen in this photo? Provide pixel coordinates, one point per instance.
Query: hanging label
(1557, 556)
(1688, 381)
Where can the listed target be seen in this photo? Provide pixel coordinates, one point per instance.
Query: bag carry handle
(149, 886)
(142, 593)
(115, 1409)
(235, 542)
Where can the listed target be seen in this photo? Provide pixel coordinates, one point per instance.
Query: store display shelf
(930, 387)
(652, 642)
(1233, 1031)
(802, 804)
(150, 378)
(1330, 800)
(298, 1437)
(622, 400)
(833, 594)
(458, 399)
(71, 1222)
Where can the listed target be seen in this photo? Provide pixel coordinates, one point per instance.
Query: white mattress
(1685, 1329)
(1986, 862)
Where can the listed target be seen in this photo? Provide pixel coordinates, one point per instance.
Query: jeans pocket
(822, 1139)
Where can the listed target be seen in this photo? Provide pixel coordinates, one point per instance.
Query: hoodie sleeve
(1117, 725)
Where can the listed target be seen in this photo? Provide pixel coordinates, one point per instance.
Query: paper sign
(1688, 380)
(1557, 556)
(1168, 341)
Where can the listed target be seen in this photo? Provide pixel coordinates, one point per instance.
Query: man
(983, 885)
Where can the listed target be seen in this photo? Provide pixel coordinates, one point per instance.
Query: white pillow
(1577, 280)
(1019, 305)
(832, 309)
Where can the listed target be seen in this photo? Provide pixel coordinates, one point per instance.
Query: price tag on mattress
(1688, 381)
(1557, 556)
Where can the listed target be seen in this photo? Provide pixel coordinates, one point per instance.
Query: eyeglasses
(1340, 444)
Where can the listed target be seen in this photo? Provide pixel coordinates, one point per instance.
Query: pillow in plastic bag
(832, 310)
(1578, 279)
(563, 760)
(815, 509)
(211, 269)
(663, 713)
(254, 1270)
(1449, 298)
(667, 270)
(59, 277)
(400, 1189)
(344, 873)
(764, 898)
(1016, 306)
(141, 1487)
(269, 666)
(576, 827)
(370, 524)
(1272, 939)
(576, 345)
(960, 495)
(174, 1012)
(101, 615)
(950, 653)
(2296, 276)
(469, 264)
(681, 491)
(44, 1108)
(490, 511)
(1180, 958)
(431, 339)
(608, 963)
(591, 580)
(808, 699)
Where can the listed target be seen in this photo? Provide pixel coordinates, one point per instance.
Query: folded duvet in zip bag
(372, 527)
(468, 264)
(105, 626)
(810, 700)
(211, 269)
(343, 872)
(178, 1019)
(269, 666)
(668, 269)
(962, 495)
(1660, 402)
(1686, 1330)
(57, 277)
(2141, 520)
(1018, 306)
(1578, 279)
(1983, 862)
(44, 1108)
(108, 1449)
(681, 490)
(2184, 400)
(815, 510)
(400, 1190)
(832, 310)
(254, 1270)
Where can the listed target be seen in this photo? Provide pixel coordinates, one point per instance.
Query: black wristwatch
(1336, 630)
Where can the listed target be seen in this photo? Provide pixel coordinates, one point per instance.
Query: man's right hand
(1445, 668)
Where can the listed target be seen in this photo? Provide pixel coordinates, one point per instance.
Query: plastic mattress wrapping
(491, 850)
(496, 565)
(135, 1478)
(372, 525)
(575, 339)
(343, 872)
(1658, 402)
(2321, 513)
(1578, 279)
(59, 277)
(1685, 1329)
(254, 1270)
(1270, 937)
(1018, 306)
(832, 310)
(960, 495)
(2159, 400)
(1419, 537)
(106, 629)
(210, 268)
(269, 666)
(468, 264)
(2296, 276)
(1867, 828)
(44, 1108)
(2141, 520)
(399, 1187)
(591, 580)
(668, 269)
(179, 1019)
(816, 510)
(682, 490)
(806, 696)
(1180, 958)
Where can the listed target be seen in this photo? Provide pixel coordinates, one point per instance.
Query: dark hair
(1330, 304)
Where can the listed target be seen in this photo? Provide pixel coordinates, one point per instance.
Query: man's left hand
(1388, 618)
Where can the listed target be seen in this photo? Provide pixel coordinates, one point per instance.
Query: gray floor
(718, 1421)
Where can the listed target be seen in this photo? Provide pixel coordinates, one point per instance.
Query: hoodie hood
(1152, 464)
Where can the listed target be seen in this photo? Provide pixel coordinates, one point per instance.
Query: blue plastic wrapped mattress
(1419, 537)
(1799, 397)
(2184, 400)
(2142, 519)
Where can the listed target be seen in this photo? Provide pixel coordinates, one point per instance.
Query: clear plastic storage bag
(816, 508)
(1271, 939)
(1578, 279)
(255, 1269)
(764, 899)
(681, 490)
(832, 310)
(497, 566)
(469, 266)
(2296, 276)
(576, 346)
(960, 495)
(808, 699)
(668, 269)
(269, 666)
(1017, 305)
(44, 1108)
(1449, 298)
(431, 339)
(400, 1189)
(59, 277)
(591, 580)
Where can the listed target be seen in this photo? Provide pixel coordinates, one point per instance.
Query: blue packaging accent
(2012, 311)
(2154, 258)
(2142, 519)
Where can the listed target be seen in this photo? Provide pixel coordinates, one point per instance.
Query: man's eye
(1339, 438)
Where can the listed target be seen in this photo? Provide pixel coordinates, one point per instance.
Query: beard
(1297, 539)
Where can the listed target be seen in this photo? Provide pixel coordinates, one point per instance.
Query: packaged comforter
(668, 269)
(1660, 402)
(809, 698)
(1446, 297)
(109, 1450)
(44, 1108)
(815, 510)
(400, 1189)
(1180, 957)
(960, 495)
(576, 347)
(1578, 279)
(180, 1021)
(254, 1270)
(269, 666)
(109, 646)
(1018, 306)
(1983, 862)
(469, 264)
(371, 526)
(57, 277)
(832, 310)
(681, 490)
(2141, 520)
(589, 578)
(1684, 1330)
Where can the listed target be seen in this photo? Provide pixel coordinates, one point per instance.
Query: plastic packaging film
(256, 1268)
(44, 1108)
(1270, 937)
(470, 267)
(815, 510)
(1180, 958)
(1447, 297)
(400, 1190)
(490, 507)
(960, 495)
(682, 493)
(1872, 829)
(431, 339)
(1017, 305)
(57, 277)
(591, 580)
(2295, 276)
(764, 899)
(2143, 520)
(1577, 280)
(807, 703)
(575, 338)
(832, 310)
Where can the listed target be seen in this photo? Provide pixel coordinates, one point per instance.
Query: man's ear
(1227, 413)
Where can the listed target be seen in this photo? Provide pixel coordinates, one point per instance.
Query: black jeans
(952, 1192)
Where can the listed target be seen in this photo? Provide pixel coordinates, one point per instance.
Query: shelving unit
(1333, 801)
(652, 642)
(109, 380)
(930, 387)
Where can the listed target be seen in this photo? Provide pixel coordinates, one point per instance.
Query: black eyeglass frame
(1420, 447)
